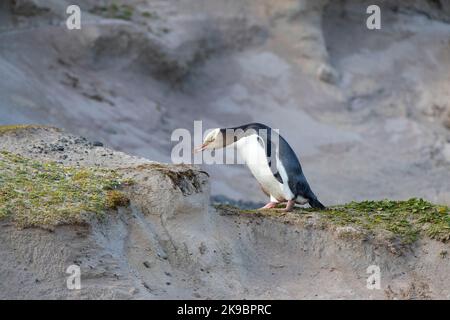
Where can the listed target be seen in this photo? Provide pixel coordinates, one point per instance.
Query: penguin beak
(200, 148)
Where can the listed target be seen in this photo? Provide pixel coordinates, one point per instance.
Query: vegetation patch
(115, 199)
(182, 177)
(45, 194)
(18, 127)
(150, 15)
(115, 11)
(406, 220)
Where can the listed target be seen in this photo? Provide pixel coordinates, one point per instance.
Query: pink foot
(289, 206)
(270, 205)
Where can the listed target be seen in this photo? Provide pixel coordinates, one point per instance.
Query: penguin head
(213, 140)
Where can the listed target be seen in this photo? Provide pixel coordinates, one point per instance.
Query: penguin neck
(231, 135)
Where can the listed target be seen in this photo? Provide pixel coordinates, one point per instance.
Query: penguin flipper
(275, 172)
(272, 158)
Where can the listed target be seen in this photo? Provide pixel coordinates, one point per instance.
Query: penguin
(270, 159)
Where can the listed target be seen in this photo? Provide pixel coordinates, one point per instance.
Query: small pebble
(97, 144)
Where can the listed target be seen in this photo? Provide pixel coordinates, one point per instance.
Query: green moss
(150, 15)
(34, 193)
(115, 11)
(406, 220)
(18, 127)
(115, 199)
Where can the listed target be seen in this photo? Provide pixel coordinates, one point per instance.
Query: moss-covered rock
(405, 220)
(45, 194)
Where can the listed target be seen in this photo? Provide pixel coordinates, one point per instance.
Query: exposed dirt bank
(169, 243)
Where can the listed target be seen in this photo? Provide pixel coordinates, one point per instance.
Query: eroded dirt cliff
(168, 242)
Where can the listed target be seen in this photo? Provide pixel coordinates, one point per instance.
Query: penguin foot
(289, 206)
(270, 205)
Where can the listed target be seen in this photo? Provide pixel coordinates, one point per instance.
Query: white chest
(254, 156)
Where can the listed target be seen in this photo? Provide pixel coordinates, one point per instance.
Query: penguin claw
(289, 206)
(270, 205)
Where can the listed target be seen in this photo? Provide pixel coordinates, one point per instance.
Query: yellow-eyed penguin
(270, 159)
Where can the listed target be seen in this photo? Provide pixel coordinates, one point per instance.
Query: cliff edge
(139, 229)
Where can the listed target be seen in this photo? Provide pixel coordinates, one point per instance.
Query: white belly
(255, 157)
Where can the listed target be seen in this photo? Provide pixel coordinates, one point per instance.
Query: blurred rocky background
(367, 111)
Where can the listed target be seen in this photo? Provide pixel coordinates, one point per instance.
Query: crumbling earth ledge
(167, 242)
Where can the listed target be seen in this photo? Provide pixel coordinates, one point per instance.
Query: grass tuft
(115, 199)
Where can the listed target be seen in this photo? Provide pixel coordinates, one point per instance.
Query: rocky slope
(167, 242)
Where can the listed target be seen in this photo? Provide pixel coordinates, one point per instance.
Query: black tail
(314, 203)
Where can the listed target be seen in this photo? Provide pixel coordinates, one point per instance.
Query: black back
(297, 180)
